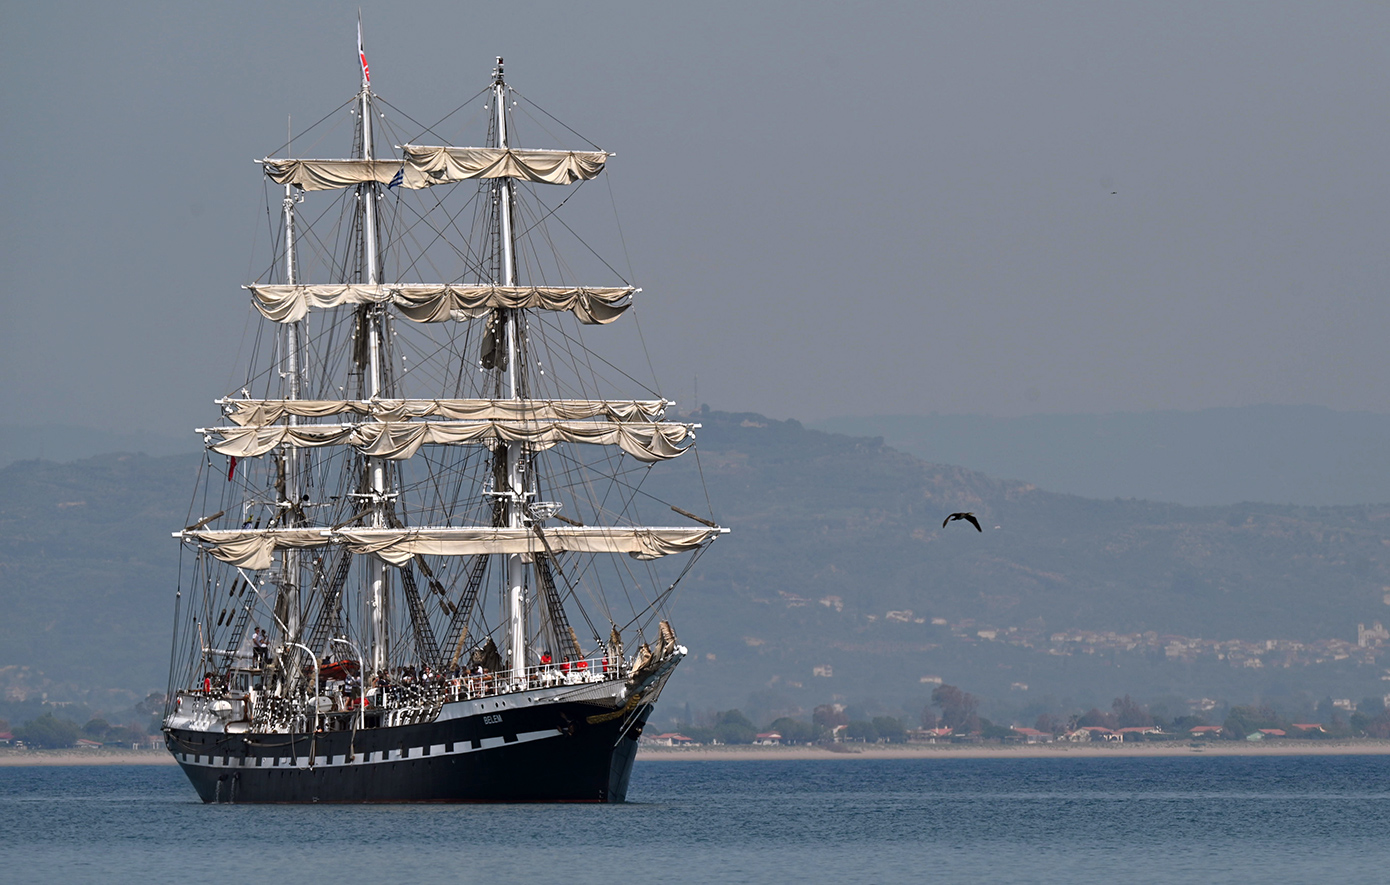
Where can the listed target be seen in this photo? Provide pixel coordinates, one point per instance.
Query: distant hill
(837, 564)
(87, 568)
(53, 442)
(1278, 454)
(819, 516)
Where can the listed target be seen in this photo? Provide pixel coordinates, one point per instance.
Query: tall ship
(413, 569)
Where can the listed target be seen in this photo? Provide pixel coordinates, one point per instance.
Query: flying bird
(968, 517)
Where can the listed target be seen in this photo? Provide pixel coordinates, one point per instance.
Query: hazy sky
(832, 208)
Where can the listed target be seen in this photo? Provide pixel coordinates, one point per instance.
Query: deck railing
(417, 697)
(586, 670)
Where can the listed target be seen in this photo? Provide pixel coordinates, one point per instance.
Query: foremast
(290, 603)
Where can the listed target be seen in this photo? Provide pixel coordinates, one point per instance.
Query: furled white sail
(396, 440)
(247, 412)
(427, 165)
(397, 546)
(437, 302)
(254, 549)
(322, 175)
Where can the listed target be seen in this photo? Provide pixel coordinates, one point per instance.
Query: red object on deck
(337, 669)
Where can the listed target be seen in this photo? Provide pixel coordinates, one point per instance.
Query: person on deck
(260, 648)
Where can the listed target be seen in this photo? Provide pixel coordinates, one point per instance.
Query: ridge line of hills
(1305, 454)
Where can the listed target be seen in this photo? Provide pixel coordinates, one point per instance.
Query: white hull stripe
(376, 757)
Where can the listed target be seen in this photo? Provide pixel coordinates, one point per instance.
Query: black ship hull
(555, 752)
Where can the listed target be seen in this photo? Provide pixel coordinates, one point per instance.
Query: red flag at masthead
(366, 73)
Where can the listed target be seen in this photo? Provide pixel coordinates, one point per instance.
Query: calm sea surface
(1213, 819)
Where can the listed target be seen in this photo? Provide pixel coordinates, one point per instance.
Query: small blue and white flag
(397, 179)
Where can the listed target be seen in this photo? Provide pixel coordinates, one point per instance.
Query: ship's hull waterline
(552, 753)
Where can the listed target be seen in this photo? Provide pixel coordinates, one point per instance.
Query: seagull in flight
(968, 517)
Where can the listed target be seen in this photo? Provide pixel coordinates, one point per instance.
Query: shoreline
(18, 758)
(1054, 750)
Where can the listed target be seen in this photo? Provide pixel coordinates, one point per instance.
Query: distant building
(1100, 733)
(928, 735)
(1033, 736)
(769, 739)
(1372, 637)
(1137, 732)
(1205, 731)
(670, 739)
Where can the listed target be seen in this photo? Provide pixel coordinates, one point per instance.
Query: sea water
(1074, 820)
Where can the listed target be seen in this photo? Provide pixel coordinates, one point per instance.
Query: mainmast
(376, 381)
(514, 495)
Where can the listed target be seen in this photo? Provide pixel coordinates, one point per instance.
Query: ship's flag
(398, 179)
(231, 468)
(366, 72)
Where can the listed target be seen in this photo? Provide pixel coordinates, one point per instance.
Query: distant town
(953, 717)
(1370, 647)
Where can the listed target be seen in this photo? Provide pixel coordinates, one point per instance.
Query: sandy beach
(861, 752)
(85, 757)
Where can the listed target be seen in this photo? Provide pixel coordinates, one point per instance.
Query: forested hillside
(837, 563)
(838, 559)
